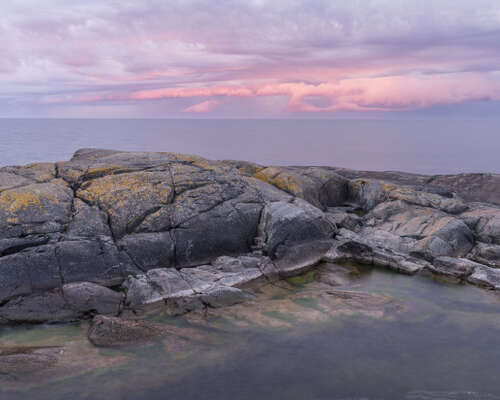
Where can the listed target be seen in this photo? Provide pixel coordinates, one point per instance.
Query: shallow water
(440, 341)
(429, 147)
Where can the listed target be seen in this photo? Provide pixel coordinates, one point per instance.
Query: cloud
(203, 107)
(323, 56)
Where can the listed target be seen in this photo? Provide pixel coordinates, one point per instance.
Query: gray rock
(94, 260)
(223, 296)
(351, 246)
(488, 254)
(150, 250)
(155, 286)
(470, 187)
(48, 306)
(299, 258)
(74, 301)
(485, 221)
(424, 231)
(107, 216)
(85, 297)
(343, 219)
(87, 221)
(35, 269)
(485, 277)
(458, 268)
(288, 223)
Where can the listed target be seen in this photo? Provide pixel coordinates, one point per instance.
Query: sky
(250, 59)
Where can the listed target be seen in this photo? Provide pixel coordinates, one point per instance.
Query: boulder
(485, 221)
(286, 223)
(320, 187)
(484, 253)
(458, 268)
(72, 302)
(486, 277)
(86, 297)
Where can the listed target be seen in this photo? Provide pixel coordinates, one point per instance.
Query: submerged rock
(16, 361)
(114, 332)
(109, 331)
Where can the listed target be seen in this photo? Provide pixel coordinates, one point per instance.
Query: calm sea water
(428, 147)
(445, 345)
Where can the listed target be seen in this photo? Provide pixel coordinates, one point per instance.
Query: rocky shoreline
(120, 233)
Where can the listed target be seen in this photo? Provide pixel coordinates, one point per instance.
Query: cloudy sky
(252, 58)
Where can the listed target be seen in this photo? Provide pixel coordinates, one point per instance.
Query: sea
(419, 146)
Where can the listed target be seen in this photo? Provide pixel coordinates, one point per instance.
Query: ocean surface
(428, 147)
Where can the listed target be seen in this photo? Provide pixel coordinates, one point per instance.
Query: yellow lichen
(281, 180)
(13, 202)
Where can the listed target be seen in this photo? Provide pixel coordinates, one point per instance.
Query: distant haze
(250, 58)
(429, 147)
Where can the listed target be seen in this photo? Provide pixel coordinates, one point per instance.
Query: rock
(34, 269)
(74, 301)
(87, 297)
(94, 260)
(488, 254)
(222, 230)
(458, 268)
(223, 296)
(485, 221)
(244, 167)
(37, 208)
(351, 246)
(44, 307)
(427, 232)
(369, 193)
(211, 284)
(288, 223)
(366, 193)
(156, 285)
(15, 361)
(320, 187)
(110, 331)
(485, 277)
(150, 250)
(344, 217)
(175, 227)
(300, 258)
(470, 187)
(87, 221)
(337, 275)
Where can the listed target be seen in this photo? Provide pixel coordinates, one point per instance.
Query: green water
(433, 341)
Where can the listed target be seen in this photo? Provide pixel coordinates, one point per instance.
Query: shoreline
(110, 232)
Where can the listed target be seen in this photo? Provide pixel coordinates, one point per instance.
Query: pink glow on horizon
(362, 94)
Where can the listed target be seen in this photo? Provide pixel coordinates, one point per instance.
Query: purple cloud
(60, 57)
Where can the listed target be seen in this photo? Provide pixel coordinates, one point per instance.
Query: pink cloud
(239, 91)
(203, 107)
(386, 93)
